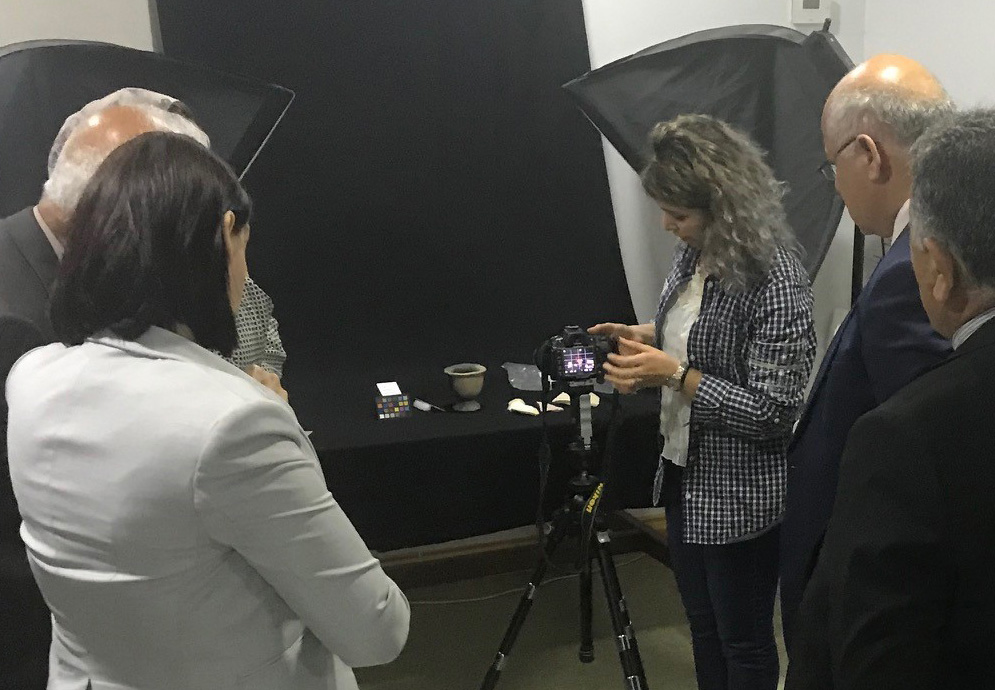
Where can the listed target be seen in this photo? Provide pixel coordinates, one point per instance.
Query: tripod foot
(558, 529)
(586, 656)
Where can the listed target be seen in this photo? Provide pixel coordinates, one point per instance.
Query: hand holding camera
(644, 332)
(638, 365)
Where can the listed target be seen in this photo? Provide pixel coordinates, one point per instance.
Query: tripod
(579, 516)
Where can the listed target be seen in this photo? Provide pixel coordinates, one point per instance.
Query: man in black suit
(31, 244)
(871, 119)
(903, 595)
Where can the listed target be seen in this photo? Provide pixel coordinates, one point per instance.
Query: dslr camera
(575, 355)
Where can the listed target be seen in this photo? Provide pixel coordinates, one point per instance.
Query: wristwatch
(676, 380)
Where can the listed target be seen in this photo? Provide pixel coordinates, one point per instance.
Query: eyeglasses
(828, 169)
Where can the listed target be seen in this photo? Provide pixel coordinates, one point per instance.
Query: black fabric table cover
(436, 476)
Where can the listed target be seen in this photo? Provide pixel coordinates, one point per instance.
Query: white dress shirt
(971, 327)
(901, 221)
(57, 246)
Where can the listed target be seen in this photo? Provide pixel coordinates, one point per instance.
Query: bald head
(897, 72)
(94, 133)
(871, 119)
(105, 131)
(133, 96)
(86, 148)
(887, 97)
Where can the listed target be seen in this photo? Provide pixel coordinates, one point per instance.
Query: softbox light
(767, 80)
(43, 82)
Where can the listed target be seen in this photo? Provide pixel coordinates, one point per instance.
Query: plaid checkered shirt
(755, 351)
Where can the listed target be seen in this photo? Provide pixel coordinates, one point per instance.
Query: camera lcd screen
(577, 361)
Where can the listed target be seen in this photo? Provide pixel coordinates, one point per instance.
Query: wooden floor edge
(465, 560)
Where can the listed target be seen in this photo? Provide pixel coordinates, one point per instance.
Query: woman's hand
(638, 365)
(644, 332)
(268, 379)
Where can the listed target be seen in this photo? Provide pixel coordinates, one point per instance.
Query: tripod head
(583, 447)
(580, 410)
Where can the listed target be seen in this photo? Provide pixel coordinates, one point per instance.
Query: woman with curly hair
(731, 348)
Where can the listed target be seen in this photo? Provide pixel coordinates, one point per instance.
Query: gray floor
(451, 645)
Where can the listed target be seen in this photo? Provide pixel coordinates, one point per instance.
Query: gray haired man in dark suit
(902, 594)
(31, 246)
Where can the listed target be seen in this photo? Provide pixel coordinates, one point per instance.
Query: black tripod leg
(558, 529)
(586, 654)
(625, 636)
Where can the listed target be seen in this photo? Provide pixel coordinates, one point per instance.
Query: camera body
(575, 355)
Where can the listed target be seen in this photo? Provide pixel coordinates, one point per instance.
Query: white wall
(617, 28)
(952, 39)
(125, 22)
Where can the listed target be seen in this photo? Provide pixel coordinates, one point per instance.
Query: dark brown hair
(145, 245)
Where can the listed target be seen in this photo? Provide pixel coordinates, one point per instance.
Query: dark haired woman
(175, 515)
(731, 348)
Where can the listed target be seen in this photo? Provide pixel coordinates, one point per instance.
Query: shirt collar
(687, 260)
(52, 239)
(971, 327)
(901, 221)
(159, 343)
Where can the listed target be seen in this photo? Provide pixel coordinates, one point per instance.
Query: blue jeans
(728, 592)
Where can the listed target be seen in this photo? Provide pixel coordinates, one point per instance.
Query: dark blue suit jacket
(884, 343)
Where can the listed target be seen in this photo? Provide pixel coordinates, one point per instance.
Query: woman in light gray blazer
(174, 512)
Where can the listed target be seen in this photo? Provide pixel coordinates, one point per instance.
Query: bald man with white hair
(31, 247)
(869, 123)
(32, 241)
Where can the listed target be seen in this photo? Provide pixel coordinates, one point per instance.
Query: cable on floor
(517, 590)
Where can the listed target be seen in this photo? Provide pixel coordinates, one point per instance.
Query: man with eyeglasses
(869, 123)
(902, 596)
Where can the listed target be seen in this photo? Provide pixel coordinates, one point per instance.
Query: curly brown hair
(700, 162)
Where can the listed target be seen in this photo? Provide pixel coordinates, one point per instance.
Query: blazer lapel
(824, 367)
(827, 360)
(35, 247)
(684, 267)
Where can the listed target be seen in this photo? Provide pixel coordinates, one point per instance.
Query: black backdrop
(432, 195)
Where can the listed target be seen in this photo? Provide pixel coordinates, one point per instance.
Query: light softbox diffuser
(43, 82)
(767, 80)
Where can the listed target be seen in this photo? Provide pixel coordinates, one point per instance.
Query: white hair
(877, 110)
(71, 167)
(131, 96)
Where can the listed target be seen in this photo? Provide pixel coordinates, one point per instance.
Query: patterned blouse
(258, 333)
(755, 351)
